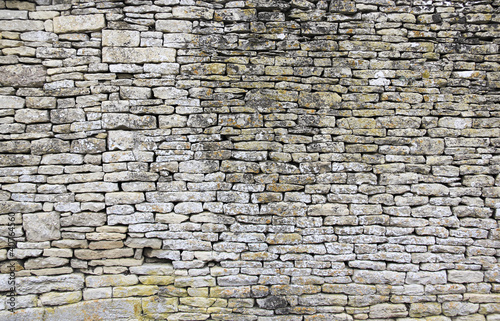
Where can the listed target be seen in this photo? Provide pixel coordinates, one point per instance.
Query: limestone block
(67, 115)
(97, 293)
(138, 55)
(93, 187)
(202, 120)
(41, 227)
(163, 68)
(427, 146)
(120, 121)
(319, 100)
(241, 120)
(206, 166)
(104, 309)
(136, 290)
(21, 25)
(45, 284)
(11, 102)
(171, 121)
(385, 311)
(120, 38)
(16, 146)
(22, 75)
(378, 277)
(159, 306)
(115, 198)
(143, 243)
(44, 263)
(191, 12)
(88, 146)
(177, 26)
(131, 219)
(41, 102)
(81, 23)
(328, 209)
(459, 308)
(30, 116)
(425, 278)
(169, 93)
(459, 276)
(49, 146)
(235, 15)
(135, 92)
(188, 208)
(419, 310)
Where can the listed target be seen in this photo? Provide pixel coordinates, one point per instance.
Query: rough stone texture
(138, 55)
(79, 23)
(22, 75)
(256, 160)
(41, 226)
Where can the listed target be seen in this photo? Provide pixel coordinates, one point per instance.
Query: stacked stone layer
(256, 160)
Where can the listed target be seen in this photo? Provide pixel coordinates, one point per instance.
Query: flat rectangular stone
(93, 187)
(11, 102)
(162, 197)
(13, 14)
(44, 284)
(121, 38)
(83, 23)
(21, 25)
(138, 55)
(104, 309)
(100, 281)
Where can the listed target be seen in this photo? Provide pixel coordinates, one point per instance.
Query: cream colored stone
(81, 23)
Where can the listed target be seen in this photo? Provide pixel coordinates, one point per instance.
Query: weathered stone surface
(11, 102)
(45, 284)
(120, 38)
(427, 146)
(83, 23)
(254, 160)
(107, 309)
(21, 25)
(384, 311)
(177, 26)
(121, 121)
(22, 75)
(55, 298)
(41, 227)
(49, 146)
(169, 93)
(319, 100)
(138, 55)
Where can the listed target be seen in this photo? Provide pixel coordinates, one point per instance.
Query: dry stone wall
(255, 160)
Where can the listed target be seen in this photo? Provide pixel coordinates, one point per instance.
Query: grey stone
(44, 284)
(120, 38)
(22, 75)
(11, 102)
(138, 55)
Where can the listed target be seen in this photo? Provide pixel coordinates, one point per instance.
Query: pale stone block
(174, 25)
(104, 309)
(82, 23)
(41, 226)
(120, 38)
(21, 25)
(60, 298)
(97, 293)
(44, 284)
(138, 55)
